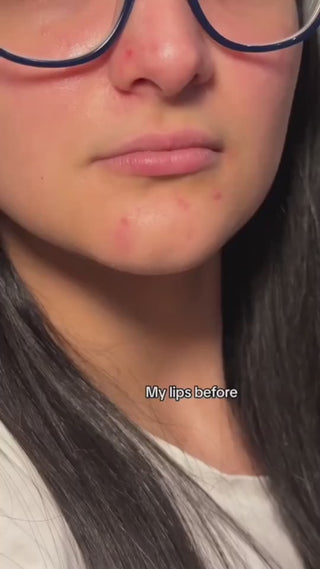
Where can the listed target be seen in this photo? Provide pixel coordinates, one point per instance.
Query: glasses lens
(56, 29)
(64, 29)
(259, 22)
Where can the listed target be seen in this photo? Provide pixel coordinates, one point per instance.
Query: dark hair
(119, 493)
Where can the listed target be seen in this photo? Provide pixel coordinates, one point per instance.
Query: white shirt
(34, 535)
(248, 501)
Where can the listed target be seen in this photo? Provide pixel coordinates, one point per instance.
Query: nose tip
(170, 67)
(166, 51)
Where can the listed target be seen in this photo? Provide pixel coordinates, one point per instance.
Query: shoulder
(33, 531)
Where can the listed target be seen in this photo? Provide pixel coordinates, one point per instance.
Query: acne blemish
(124, 222)
(216, 196)
(129, 53)
(190, 235)
(122, 236)
(183, 204)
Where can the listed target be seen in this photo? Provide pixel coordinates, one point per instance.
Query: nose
(163, 48)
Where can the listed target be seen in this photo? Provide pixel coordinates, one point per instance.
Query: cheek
(39, 137)
(39, 110)
(260, 106)
(256, 116)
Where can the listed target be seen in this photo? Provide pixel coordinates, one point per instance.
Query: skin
(126, 267)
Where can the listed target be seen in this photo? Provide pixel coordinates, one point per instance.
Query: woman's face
(164, 74)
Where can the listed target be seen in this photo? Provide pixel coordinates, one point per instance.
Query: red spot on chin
(190, 235)
(125, 221)
(122, 236)
(217, 196)
(183, 203)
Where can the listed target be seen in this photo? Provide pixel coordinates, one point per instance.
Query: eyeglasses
(65, 33)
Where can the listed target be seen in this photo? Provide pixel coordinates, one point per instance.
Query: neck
(134, 330)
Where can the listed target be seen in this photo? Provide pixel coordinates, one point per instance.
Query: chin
(160, 264)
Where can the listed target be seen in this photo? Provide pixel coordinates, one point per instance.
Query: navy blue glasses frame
(196, 9)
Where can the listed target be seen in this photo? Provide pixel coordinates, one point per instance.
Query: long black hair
(129, 505)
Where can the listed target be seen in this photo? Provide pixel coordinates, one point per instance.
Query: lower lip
(163, 163)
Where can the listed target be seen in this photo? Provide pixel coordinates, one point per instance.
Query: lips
(170, 141)
(175, 153)
(164, 162)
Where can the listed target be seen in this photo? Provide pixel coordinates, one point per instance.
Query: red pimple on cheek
(129, 53)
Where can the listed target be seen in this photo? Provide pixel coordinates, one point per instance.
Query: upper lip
(167, 141)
